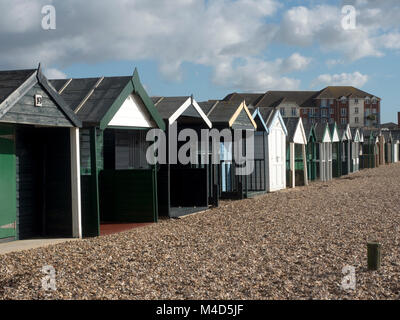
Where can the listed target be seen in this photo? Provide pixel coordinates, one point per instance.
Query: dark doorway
(43, 182)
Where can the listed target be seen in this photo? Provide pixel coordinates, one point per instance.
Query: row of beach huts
(73, 154)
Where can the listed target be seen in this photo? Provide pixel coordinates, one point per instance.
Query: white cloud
(255, 75)
(355, 79)
(210, 33)
(53, 73)
(320, 25)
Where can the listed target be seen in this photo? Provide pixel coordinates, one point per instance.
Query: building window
(330, 101)
(294, 112)
(332, 111)
(323, 103)
(343, 100)
(343, 120)
(323, 113)
(367, 100)
(356, 120)
(331, 120)
(283, 112)
(355, 110)
(356, 101)
(374, 100)
(343, 111)
(305, 120)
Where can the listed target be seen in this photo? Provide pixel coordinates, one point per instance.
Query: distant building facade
(340, 104)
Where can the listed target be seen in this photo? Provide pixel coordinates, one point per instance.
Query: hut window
(130, 150)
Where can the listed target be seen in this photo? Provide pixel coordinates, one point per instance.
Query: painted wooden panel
(8, 209)
(277, 158)
(132, 113)
(243, 121)
(128, 196)
(25, 112)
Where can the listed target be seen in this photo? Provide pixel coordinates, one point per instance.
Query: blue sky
(211, 48)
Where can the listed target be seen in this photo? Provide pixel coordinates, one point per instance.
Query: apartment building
(340, 104)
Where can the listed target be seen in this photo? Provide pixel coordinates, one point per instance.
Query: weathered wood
(76, 184)
(292, 165)
(303, 148)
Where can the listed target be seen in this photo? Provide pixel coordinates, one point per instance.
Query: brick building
(340, 104)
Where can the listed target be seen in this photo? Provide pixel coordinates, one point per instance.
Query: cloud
(255, 75)
(53, 73)
(320, 25)
(355, 79)
(210, 33)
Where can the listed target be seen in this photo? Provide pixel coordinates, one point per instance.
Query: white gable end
(335, 137)
(300, 135)
(132, 113)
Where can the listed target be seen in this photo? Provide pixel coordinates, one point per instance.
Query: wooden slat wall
(25, 112)
(127, 196)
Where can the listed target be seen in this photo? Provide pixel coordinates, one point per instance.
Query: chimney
(398, 119)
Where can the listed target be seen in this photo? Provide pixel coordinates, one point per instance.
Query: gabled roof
(270, 116)
(226, 112)
(344, 132)
(334, 132)
(322, 132)
(171, 108)
(309, 130)
(355, 134)
(257, 116)
(96, 100)
(14, 84)
(250, 98)
(275, 98)
(336, 92)
(295, 130)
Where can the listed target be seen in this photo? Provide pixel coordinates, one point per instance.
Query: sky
(210, 48)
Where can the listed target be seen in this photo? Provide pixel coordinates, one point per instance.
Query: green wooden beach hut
(118, 184)
(39, 159)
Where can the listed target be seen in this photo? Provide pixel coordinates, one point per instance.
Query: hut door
(8, 193)
(278, 159)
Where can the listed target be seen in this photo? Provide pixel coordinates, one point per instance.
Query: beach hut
(396, 144)
(370, 157)
(345, 148)
(182, 187)
(118, 184)
(388, 146)
(257, 181)
(229, 115)
(381, 147)
(276, 149)
(311, 151)
(355, 149)
(296, 156)
(336, 156)
(324, 151)
(39, 159)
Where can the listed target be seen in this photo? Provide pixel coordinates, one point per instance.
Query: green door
(8, 198)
